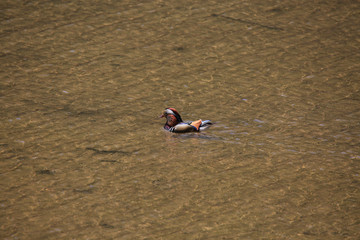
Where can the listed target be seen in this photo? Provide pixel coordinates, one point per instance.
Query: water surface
(84, 156)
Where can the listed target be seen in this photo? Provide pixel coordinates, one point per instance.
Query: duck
(175, 124)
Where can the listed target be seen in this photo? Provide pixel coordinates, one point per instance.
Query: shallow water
(84, 156)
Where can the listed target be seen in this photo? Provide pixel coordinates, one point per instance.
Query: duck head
(172, 117)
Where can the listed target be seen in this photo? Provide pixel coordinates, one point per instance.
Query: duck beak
(161, 116)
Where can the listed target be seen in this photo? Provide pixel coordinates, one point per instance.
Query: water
(84, 156)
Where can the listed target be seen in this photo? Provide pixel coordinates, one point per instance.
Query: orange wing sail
(196, 124)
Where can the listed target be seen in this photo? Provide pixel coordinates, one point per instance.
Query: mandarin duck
(174, 123)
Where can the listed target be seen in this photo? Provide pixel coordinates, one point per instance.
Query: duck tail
(205, 124)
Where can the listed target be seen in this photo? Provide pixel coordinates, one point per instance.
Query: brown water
(84, 156)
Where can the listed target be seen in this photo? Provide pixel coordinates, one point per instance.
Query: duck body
(174, 122)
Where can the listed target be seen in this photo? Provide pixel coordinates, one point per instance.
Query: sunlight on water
(84, 155)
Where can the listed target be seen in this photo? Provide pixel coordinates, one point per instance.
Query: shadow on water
(222, 15)
(99, 151)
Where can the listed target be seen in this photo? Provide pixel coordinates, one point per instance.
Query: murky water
(84, 156)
